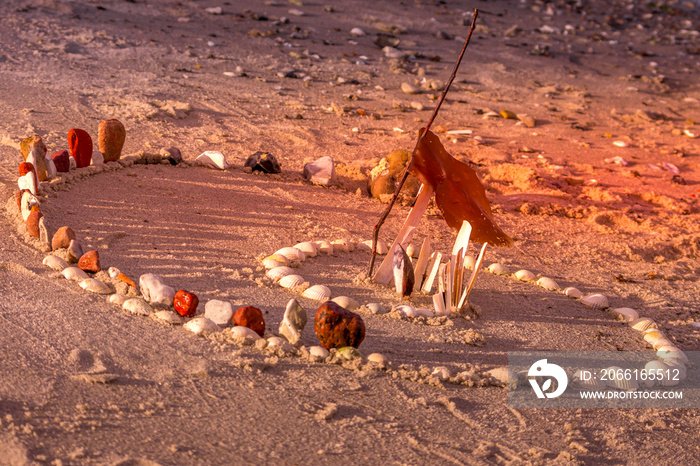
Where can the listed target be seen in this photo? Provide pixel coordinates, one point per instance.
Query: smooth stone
(95, 286)
(32, 222)
(35, 145)
(319, 352)
(155, 291)
(90, 262)
(97, 158)
(168, 317)
(263, 162)
(219, 312)
(74, 273)
(28, 183)
(407, 88)
(201, 326)
(75, 251)
(55, 263)
(321, 171)
(110, 138)
(336, 327)
(62, 238)
(117, 298)
(293, 322)
(28, 201)
(212, 158)
(173, 155)
(137, 306)
(185, 303)
(251, 317)
(51, 168)
(61, 160)
(80, 145)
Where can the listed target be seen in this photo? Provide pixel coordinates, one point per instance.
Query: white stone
(293, 322)
(318, 352)
(321, 171)
(168, 317)
(215, 10)
(137, 306)
(155, 291)
(201, 326)
(55, 263)
(357, 32)
(242, 333)
(408, 88)
(95, 286)
(74, 273)
(27, 182)
(213, 159)
(219, 312)
(97, 158)
(117, 299)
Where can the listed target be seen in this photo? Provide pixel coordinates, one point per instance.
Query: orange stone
(185, 303)
(80, 145)
(33, 222)
(62, 238)
(126, 279)
(111, 136)
(90, 262)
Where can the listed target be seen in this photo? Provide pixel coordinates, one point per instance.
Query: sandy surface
(589, 75)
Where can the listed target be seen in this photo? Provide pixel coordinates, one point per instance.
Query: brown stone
(250, 317)
(36, 144)
(90, 262)
(33, 222)
(111, 136)
(337, 327)
(62, 238)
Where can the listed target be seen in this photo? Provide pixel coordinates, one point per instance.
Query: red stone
(62, 238)
(62, 161)
(90, 262)
(80, 145)
(33, 222)
(110, 137)
(250, 317)
(337, 327)
(185, 303)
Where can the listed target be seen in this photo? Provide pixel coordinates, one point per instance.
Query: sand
(589, 75)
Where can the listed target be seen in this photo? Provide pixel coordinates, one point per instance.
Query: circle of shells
(278, 270)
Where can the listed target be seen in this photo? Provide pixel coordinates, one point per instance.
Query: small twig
(386, 212)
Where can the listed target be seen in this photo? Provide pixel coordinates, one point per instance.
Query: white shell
(74, 273)
(625, 314)
(524, 275)
(168, 317)
(292, 254)
(279, 272)
(651, 335)
(318, 352)
(244, 333)
(308, 248)
(95, 286)
(137, 306)
(201, 326)
(273, 264)
(317, 293)
(670, 353)
(117, 299)
(324, 247)
(277, 258)
(572, 292)
(596, 301)
(623, 384)
(661, 343)
(113, 272)
(291, 281)
(642, 324)
(378, 358)
(548, 284)
(55, 263)
(498, 269)
(346, 302)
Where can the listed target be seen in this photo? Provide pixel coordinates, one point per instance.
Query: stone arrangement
(340, 331)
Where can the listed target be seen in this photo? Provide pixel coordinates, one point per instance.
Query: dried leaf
(459, 194)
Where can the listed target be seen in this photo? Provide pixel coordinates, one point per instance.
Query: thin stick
(386, 212)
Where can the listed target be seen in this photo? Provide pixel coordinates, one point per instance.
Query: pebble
(74, 273)
(527, 120)
(337, 327)
(216, 10)
(75, 251)
(185, 303)
(113, 272)
(172, 154)
(213, 159)
(617, 160)
(62, 238)
(137, 306)
(321, 171)
(250, 317)
(32, 222)
(277, 342)
(620, 144)
(28, 201)
(155, 291)
(80, 145)
(319, 352)
(201, 326)
(417, 106)
(61, 160)
(90, 262)
(168, 317)
(378, 358)
(407, 88)
(391, 52)
(95, 286)
(293, 322)
(263, 162)
(296, 12)
(55, 263)
(243, 333)
(219, 312)
(508, 115)
(441, 372)
(117, 298)
(508, 377)
(357, 32)
(34, 144)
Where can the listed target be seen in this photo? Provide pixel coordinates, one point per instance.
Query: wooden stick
(386, 212)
